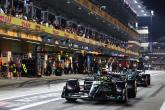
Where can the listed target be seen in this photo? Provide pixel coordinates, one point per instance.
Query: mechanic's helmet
(120, 65)
(124, 69)
(128, 65)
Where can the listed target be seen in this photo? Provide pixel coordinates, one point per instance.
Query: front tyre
(132, 93)
(124, 98)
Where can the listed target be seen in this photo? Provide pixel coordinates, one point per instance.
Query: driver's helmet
(104, 71)
(104, 78)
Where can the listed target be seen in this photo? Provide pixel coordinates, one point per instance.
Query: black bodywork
(139, 76)
(131, 83)
(111, 88)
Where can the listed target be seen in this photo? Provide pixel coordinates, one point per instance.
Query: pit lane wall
(13, 21)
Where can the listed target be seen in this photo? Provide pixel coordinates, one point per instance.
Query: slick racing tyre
(124, 97)
(133, 91)
(149, 79)
(146, 82)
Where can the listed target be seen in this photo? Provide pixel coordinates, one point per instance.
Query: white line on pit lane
(31, 99)
(156, 74)
(13, 97)
(163, 106)
(36, 104)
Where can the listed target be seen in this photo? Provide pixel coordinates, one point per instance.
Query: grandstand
(30, 26)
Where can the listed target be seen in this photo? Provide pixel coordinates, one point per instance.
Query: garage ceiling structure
(138, 7)
(118, 9)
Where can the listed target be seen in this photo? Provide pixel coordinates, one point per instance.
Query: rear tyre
(132, 93)
(146, 82)
(149, 80)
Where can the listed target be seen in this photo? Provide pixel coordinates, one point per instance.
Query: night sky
(158, 29)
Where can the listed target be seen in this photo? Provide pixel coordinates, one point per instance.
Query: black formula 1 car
(139, 76)
(100, 89)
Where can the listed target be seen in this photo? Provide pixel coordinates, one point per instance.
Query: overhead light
(68, 2)
(142, 11)
(63, 47)
(152, 12)
(8, 38)
(135, 1)
(145, 14)
(102, 7)
(138, 15)
(139, 6)
(74, 49)
(32, 42)
(49, 40)
(79, 8)
(49, 45)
